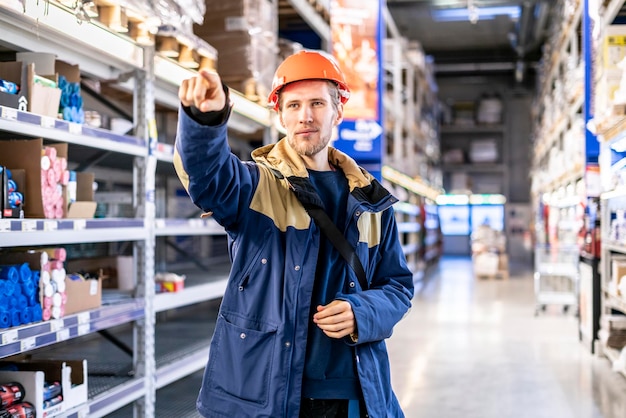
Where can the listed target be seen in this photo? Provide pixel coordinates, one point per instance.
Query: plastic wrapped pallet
(245, 34)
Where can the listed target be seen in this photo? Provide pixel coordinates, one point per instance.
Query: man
(296, 335)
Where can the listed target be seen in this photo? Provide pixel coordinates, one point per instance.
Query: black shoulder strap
(338, 240)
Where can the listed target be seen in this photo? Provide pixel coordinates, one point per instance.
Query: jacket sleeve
(378, 309)
(215, 179)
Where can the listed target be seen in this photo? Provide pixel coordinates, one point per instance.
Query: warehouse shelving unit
(559, 158)
(155, 354)
(461, 137)
(412, 138)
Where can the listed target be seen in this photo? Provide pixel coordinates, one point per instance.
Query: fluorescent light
(484, 13)
(452, 199)
(487, 199)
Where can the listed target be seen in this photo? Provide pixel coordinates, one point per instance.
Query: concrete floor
(473, 348)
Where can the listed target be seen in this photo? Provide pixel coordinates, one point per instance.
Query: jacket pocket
(240, 361)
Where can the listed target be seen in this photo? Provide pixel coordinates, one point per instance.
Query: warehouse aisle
(474, 349)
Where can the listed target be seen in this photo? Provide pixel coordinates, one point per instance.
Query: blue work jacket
(257, 352)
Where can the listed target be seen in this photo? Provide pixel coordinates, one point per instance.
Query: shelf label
(84, 317)
(75, 128)
(56, 324)
(5, 225)
(50, 225)
(63, 334)
(29, 225)
(83, 329)
(80, 224)
(29, 343)
(9, 337)
(9, 113)
(47, 122)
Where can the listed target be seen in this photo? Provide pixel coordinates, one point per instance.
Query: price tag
(50, 225)
(75, 128)
(29, 225)
(83, 329)
(83, 317)
(80, 224)
(29, 343)
(63, 334)
(9, 113)
(56, 324)
(5, 225)
(9, 337)
(47, 122)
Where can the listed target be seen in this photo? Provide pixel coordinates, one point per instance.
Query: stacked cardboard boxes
(245, 34)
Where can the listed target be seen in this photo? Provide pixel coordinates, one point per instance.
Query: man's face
(308, 115)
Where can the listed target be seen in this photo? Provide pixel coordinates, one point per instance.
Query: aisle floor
(473, 348)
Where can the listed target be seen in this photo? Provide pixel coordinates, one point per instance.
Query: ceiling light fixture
(483, 13)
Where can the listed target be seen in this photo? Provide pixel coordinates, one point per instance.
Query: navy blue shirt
(329, 369)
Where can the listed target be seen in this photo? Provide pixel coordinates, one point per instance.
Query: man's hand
(336, 319)
(203, 91)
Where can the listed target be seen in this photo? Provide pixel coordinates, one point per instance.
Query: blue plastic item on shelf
(10, 273)
(16, 318)
(5, 318)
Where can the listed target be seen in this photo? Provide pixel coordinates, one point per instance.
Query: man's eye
(292, 105)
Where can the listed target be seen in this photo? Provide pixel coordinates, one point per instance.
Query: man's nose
(306, 114)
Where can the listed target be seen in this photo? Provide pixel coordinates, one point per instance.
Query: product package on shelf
(52, 387)
(19, 293)
(71, 100)
(49, 277)
(115, 272)
(11, 193)
(245, 34)
(15, 77)
(46, 178)
(44, 93)
(169, 282)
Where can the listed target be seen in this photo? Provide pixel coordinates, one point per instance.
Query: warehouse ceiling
(475, 35)
(462, 36)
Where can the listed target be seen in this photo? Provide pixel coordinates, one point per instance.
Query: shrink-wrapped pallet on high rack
(245, 34)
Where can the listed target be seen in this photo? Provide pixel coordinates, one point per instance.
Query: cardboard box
(44, 100)
(69, 71)
(237, 15)
(116, 272)
(26, 154)
(32, 374)
(85, 205)
(82, 295)
(22, 75)
(614, 46)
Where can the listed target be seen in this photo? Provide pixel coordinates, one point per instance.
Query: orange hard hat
(307, 65)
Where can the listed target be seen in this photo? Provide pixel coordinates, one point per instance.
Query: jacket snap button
(358, 213)
(264, 261)
(297, 268)
(351, 284)
(242, 335)
(287, 344)
(241, 288)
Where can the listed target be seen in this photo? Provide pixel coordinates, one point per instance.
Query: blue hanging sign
(356, 31)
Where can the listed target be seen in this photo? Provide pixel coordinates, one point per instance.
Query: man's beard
(309, 148)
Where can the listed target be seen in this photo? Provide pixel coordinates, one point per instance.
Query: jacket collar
(283, 158)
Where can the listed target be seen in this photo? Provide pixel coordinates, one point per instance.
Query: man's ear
(339, 117)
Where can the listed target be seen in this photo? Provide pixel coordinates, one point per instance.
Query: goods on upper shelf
(486, 110)
(245, 33)
(46, 179)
